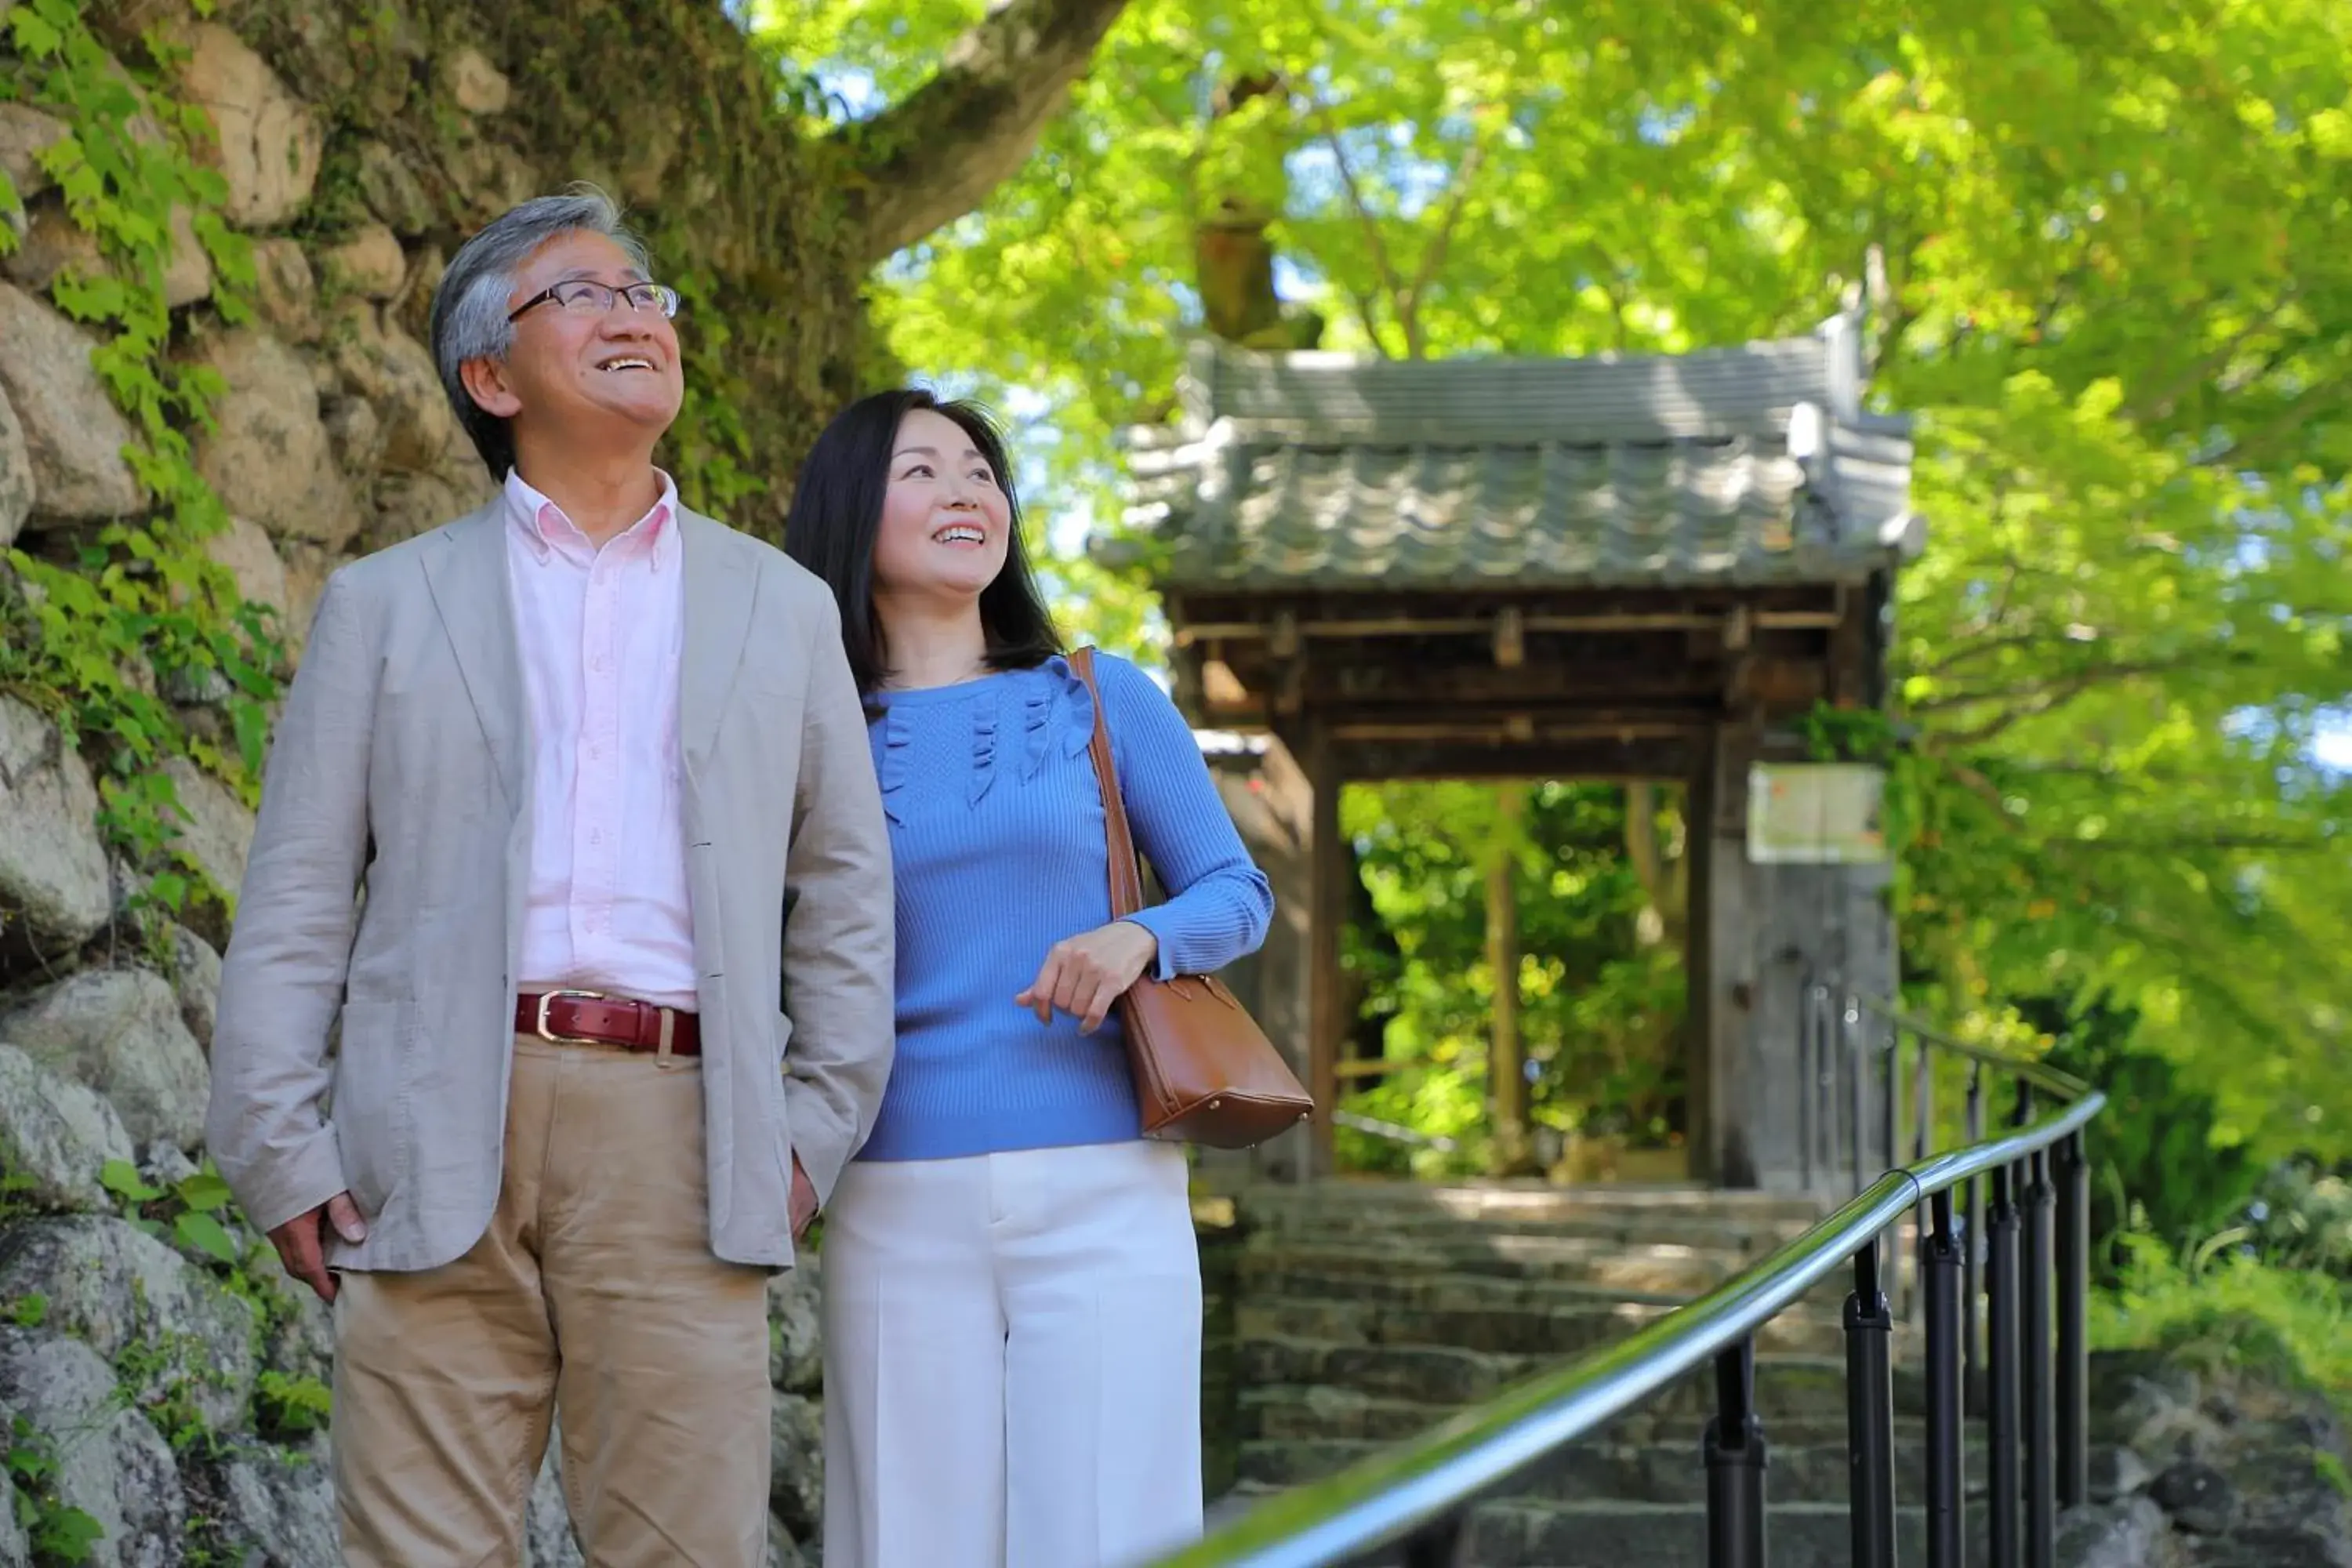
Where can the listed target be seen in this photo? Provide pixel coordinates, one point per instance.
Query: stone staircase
(1345, 1316)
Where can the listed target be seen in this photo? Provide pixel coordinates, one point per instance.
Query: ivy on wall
(106, 629)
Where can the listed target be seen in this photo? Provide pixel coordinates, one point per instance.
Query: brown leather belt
(590, 1018)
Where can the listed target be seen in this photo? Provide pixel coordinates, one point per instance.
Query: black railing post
(2073, 1330)
(1939, 1288)
(1734, 1464)
(1870, 1414)
(2002, 1369)
(2041, 1396)
(1971, 1253)
(1437, 1545)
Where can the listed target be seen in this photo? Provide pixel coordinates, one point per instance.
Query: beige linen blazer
(386, 882)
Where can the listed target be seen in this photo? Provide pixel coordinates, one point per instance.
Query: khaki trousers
(594, 1291)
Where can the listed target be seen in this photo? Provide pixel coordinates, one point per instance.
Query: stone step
(1269, 1276)
(1509, 1317)
(1811, 1471)
(1535, 1534)
(1730, 1234)
(1435, 1381)
(1653, 1269)
(1526, 1200)
(1522, 1533)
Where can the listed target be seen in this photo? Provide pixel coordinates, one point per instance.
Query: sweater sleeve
(1219, 903)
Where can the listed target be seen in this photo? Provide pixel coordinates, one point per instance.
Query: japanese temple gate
(1598, 569)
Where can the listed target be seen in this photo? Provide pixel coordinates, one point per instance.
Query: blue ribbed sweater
(996, 841)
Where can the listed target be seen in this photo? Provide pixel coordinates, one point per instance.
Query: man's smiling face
(579, 369)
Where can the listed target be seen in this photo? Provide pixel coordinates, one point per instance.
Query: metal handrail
(2041, 1075)
(1418, 1492)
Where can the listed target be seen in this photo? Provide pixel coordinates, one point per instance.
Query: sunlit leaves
(2107, 255)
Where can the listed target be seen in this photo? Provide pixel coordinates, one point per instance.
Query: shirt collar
(547, 532)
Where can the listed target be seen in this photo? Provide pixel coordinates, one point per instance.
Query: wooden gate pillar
(1760, 937)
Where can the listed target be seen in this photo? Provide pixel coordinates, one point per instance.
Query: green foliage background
(2108, 264)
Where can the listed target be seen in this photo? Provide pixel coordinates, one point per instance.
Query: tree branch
(937, 154)
(1433, 255)
(1374, 244)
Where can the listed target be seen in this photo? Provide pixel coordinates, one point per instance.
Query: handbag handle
(1126, 870)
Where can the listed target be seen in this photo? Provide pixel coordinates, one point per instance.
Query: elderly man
(566, 793)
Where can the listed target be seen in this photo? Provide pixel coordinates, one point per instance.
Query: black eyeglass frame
(640, 296)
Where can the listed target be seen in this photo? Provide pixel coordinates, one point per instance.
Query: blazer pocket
(370, 1109)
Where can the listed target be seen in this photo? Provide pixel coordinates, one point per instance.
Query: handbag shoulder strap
(1126, 873)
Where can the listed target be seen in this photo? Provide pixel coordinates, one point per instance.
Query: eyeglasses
(586, 297)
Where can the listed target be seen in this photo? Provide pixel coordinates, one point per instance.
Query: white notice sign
(1816, 814)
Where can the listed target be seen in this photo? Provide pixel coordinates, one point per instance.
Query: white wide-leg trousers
(1011, 1360)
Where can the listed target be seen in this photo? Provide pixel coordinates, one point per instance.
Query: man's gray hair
(469, 307)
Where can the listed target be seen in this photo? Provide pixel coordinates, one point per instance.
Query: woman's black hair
(836, 514)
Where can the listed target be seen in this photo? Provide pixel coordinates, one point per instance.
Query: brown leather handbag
(1205, 1071)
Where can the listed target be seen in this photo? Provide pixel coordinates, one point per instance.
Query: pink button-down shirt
(601, 634)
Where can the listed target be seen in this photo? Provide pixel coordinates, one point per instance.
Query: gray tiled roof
(1746, 465)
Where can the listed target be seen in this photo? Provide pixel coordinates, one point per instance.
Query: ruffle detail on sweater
(898, 735)
(984, 745)
(1059, 710)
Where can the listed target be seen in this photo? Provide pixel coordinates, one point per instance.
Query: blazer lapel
(721, 587)
(466, 568)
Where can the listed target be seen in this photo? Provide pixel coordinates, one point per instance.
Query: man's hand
(1083, 975)
(302, 1246)
(803, 1200)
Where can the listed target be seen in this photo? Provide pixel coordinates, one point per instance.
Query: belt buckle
(547, 998)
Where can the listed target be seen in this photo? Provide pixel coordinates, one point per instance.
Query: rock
(392, 192)
(2200, 1498)
(2116, 1472)
(473, 84)
(394, 372)
(111, 1463)
(268, 456)
(355, 433)
(413, 311)
(16, 492)
(53, 242)
(370, 264)
(270, 145)
(216, 829)
(490, 175)
(196, 981)
(119, 1290)
(796, 1460)
(2110, 1535)
(166, 1165)
(548, 1540)
(25, 134)
(245, 551)
(73, 433)
(15, 1552)
(408, 504)
(57, 1136)
(118, 1032)
(287, 293)
(278, 1508)
(307, 567)
(302, 1334)
(795, 1349)
(54, 891)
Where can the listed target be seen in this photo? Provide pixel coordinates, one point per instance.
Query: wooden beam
(1486, 625)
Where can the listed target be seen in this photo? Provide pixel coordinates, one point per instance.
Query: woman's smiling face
(946, 524)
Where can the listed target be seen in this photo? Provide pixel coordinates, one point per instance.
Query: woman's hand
(1083, 975)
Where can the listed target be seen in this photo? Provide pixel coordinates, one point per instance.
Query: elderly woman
(1013, 1295)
